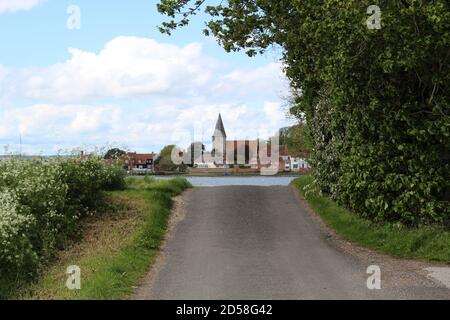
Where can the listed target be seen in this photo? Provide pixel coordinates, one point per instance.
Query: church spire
(219, 127)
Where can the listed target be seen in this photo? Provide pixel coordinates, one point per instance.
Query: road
(242, 242)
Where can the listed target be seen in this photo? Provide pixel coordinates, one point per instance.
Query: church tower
(219, 140)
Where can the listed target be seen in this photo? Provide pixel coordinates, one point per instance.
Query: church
(233, 152)
(226, 153)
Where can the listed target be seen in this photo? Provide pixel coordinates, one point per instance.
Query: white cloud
(268, 78)
(273, 112)
(44, 120)
(3, 72)
(16, 5)
(249, 77)
(136, 66)
(126, 66)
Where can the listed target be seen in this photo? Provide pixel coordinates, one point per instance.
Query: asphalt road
(243, 242)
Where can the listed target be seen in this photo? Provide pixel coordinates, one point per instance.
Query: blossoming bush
(41, 202)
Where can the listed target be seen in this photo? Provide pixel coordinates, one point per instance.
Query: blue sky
(117, 80)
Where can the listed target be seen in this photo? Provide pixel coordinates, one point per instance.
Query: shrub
(113, 178)
(41, 202)
(16, 250)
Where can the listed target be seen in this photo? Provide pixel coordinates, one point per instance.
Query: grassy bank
(117, 247)
(427, 243)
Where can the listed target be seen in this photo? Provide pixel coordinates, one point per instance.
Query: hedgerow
(378, 105)
(41, 202)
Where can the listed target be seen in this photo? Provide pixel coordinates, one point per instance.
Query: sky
(95, 74)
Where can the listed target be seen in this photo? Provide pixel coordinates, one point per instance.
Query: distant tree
(164, 161)
(297, 138)
(114, 153)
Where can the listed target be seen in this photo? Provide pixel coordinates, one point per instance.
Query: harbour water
(265, 181)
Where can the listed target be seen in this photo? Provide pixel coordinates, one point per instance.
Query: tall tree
(376, 99)
(297, 138)
(114, 153)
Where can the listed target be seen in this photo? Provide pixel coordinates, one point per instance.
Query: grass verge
(117, 248)
(428, 243)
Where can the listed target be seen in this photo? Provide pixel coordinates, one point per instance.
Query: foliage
(164, 161)
(41, 201)
(114, 153)
(377, 101)
(297, 138)
(113, 178)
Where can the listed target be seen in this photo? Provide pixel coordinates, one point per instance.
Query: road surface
(248, 242)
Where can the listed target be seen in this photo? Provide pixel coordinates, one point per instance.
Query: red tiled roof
(140, 156)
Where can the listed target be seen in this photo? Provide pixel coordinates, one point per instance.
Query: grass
(117, 248)
(428, 243)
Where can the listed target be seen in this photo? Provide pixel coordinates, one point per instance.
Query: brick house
(139, 163)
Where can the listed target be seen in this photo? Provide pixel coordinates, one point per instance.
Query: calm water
(237, 181)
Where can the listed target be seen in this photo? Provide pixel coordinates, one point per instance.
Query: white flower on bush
(15, 222)
(40, 203)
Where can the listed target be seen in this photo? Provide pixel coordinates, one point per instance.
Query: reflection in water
(237, 181)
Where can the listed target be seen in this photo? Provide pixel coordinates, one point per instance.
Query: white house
(299, 163)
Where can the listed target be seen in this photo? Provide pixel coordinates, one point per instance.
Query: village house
(139, 163)
(298, 161)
